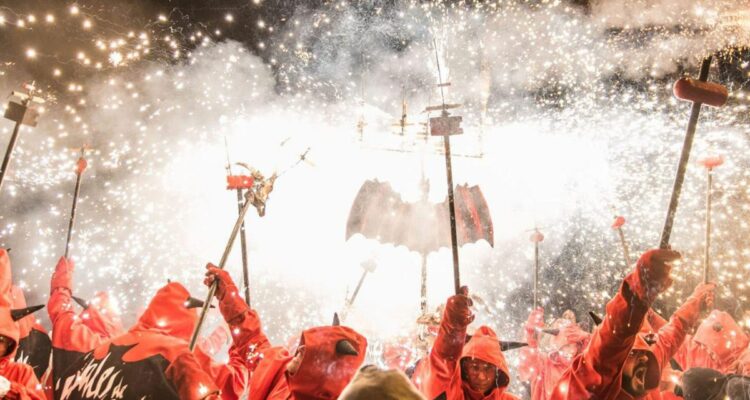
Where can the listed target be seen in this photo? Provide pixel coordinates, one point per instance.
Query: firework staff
(543, 369)
(458, 369)
(622, 361)
(17, 380)
(717, 344)
(152, 359)
(323, 364)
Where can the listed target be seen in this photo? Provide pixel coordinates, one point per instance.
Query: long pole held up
(9, 153)
(536, 238)
(222, 263)
(617, 225)
(243, 237)
(449, 178)
(684, 157)
(709, 163)
(80, 167)
(22, 113)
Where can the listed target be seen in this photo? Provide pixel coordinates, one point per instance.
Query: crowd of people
(699, 353)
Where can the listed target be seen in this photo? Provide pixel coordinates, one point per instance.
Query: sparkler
(697, 92)
(617, 225)
(709, 163)
(80, 167)
(536, 238)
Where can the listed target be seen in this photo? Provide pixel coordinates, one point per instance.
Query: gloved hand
(457, 312)
(4, 386)
(701, 299)
(231, 304)
(62, 278)
(16, 392)
(652, 273)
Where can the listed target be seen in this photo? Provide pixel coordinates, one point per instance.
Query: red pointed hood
(103, 317)
(721, 334)
(323, 373)
(8, 327)
(484, 345)
(19, 301)
(167, 313)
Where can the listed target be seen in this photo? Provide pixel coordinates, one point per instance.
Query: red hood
(653, 375)
(655, 320)
(103, 318)
(721, 335)
(19, 301)
(484, 346)
(8, 327)
(167, 313)
(323, 373)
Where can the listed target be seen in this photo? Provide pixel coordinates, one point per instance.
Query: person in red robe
(717, 344)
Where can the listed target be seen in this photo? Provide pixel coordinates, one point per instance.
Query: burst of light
(74, 10)
(229, 18)
(49, 18)
(56, 72)
(86, 24)
(31, 53)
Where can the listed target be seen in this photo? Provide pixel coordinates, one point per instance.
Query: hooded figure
(457, 369)
(717, 344)
(625, 357)
(72, 335)
(34, 344)
(372, 383)
(152, 359)
(17, 380)
(319, 369)
(541, 368)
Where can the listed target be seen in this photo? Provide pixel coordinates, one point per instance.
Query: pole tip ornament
(619, 222)
(711, 162)
(81, 165)
(346, 348)
(336, 320)
(537, 236)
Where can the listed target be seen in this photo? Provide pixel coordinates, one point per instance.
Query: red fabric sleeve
(189, 379)
(24, 386)
(594, 372)
(672, 335)
(68, 331)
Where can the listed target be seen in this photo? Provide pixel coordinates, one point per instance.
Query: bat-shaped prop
(222, 263)
(22, 112)
(536, 238)
(81, 165)
(709, 163)
(699, 92)
(617, 225)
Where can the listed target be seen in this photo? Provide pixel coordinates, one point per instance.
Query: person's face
(5, 344)
(634, 373)
(293, 366)
(480, 375)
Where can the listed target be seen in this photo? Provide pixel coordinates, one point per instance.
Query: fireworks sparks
(570, 108)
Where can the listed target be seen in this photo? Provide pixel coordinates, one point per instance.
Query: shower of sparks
(567, 114)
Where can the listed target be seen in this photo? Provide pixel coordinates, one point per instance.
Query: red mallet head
(709, 93)
(81, 165)
(235, 182)
(619, 222)
(712, 162)
(536, 237)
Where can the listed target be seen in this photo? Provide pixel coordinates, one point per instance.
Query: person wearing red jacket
(152, 359)
(457, 369)
(717, 344)
(543, 369)
(622, 361)
(34, 346)
(323, 364)
(17, 380)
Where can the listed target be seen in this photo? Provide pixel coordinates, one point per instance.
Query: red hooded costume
(152, 359)
(322, 374)
(541, 369)
(440, 373)
(717, 344)
(23, 383)
(34, 344)
(597, 372)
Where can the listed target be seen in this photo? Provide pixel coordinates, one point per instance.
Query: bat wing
(473, 220)
(379, 213)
